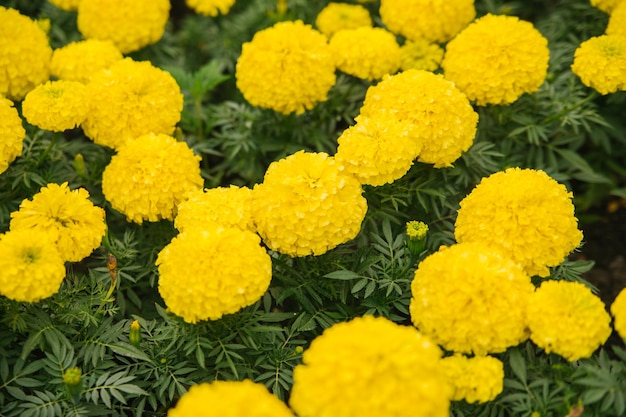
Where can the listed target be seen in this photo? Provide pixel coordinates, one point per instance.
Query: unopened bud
(416, 232)
(79, 165)
(72, 378)
(135, 333)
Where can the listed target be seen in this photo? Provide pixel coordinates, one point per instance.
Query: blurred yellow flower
(12, 133)
(56, 105)
(78, 61)
(600, 63)
(338, 16)
(605, 5)
(618, 310)
(617, 20)
(210, 7)
(420, 54)
(478, 379)
(69, 5)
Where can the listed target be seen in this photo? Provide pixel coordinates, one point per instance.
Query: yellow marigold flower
(617, 20)
(78, 61)
(30, 266)
(476, 379)
(568, 319)
(204, 274)
(229, 398)
(470, 298)
(227, 206)
(420, 54)
(56, 105)
(496, 59)
(433, 20)
(12, 133)
(24, 56)
(150, 176)
(129, 100)
(370, 367)
(435, 111)
(365, 52)
(338, 16)
(307, 205)
(416, 230)
(600, 63)
(525, 214)
(210, 7)
(287, 67)
(69, 5)
(377, 150)
(130, 25)
(618, 310)
(76, 224)
(605, 5)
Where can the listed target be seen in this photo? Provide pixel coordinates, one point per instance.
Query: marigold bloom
(600, 63)
(12, 133)
(210, 7)
(75, 223)
(568, 319)
(150, 176)
(433, 20)
(129, 25)
(338, 16)
(476, 379)
(204, 274)
(420, 54)
(377, 150)
(30, 266)
(366, 52)
(129, 100)
(617, 20)
(470, 298)
(618, 310)
(432, 108)
(605, 5)
(78, 61)
(496, 59)
(56, 105)
(370, 367)
(287, 67)
(525, 214)
(69, 5)
(229, 398)
(307, 205)
(24, 56)
(227, 206)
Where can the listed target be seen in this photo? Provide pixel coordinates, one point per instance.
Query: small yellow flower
(416, 230)
(210, 7)
(338, 16)
(56, 105)
(69, 5)
(420, 54)
(12, 133)
(600, 63)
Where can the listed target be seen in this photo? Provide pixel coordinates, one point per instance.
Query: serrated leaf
(128, 350)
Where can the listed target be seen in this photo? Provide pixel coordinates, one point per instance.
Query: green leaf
(128, 350)
(343, 275)
(518, 365)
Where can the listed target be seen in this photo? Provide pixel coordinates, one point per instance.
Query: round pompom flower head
(496, 59)
(75, 223)
(478, 379)
(287, 68)
(432, 108)
(150, 176)
(31, 268)
(568, 319)
(370, 367)
(307, 205)
(600, 63)
(130, 25)
(366, 52)
(469, 298)
(131, 99)
(525, 214)
(78, 61)
(338, 16)
(433, 20)
(420, 54)
(206, 273)
(617, 20)
(210, 7)
(56, 105)
(618, 310)
(229, 399)
(12, 133)
(24, 56)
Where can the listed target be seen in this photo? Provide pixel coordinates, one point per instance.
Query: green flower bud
(135, 333)
(416, 232)
(72, 378)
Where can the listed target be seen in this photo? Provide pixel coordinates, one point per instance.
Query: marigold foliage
(370, 367)
(478, 379)
(618, 310)
(206, 273)
(377, 150)
(432, 20)
(229, 399)
(68, 216)
(366, 52)
(24, 56)
(420, 54)
(507, 55)
(600, 63)
(31, 268)
(150, 176)
(129, 100)
(69, 5)
(56, 105)
(288, 68)
(12, 133)
(523, 213)
(470, 298)
(338, 16)
(307, 205)
(568, 319)
(210, 7)
(617, 20)
(432, 108)
(605, 5)
(129, 25)
(78, 61)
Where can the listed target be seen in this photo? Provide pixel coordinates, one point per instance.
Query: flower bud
(416, 232)
(135, 333)
(79, 165)
(72, 378)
